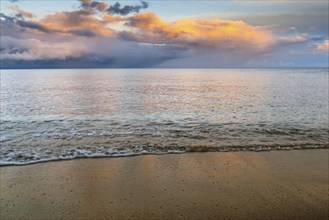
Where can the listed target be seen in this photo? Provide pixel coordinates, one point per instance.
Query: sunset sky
(163, 34)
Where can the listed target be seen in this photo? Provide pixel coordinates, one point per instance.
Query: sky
(163, 33)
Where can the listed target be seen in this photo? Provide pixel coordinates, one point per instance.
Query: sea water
(65, 114)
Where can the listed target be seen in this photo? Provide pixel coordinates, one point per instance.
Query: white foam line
(4, 163)
(127, 153)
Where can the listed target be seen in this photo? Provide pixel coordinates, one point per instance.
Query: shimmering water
(63, 114)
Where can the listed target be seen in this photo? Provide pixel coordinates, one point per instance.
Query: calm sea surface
(63, 114)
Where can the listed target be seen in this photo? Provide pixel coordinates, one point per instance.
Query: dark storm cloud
(19, 20)
(22, 25)
(32, 25)
(85, 3)
(117, 9)
(82, 52)
(6, 18)
(83, 33)
(19, 16)
(89, 5)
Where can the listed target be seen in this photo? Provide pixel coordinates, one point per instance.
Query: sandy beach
(239, 185)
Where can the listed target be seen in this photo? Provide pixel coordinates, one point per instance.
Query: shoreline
(255, 149)
(285, 184)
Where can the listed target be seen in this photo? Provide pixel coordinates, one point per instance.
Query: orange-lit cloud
(94, 32)
(74, 21)
(323, 47)
(222, 34)
(108, 18)
(149, 28)
(20, 11)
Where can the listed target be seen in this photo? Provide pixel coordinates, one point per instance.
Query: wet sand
(240, 185)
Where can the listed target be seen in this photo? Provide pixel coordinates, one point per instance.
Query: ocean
(65, 114)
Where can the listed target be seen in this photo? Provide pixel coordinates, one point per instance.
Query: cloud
(216, 34)
(32, 25)
(323, 46)
(104, 51)
(33, 49)
(85, 3)
(83, 32)
(94, 35)
(89, 4)
(23, 23)
(307, 22)
(116, 8)
(6, 18)
(124, 10)
(20, 12)
(290, 40)
(92, 16)
(76, 20)
(84, 22)
(108, 18)
(90, 20)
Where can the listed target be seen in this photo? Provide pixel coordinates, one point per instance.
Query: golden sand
(240, 185)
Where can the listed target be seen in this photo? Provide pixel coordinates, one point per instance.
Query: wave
(19, 158)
